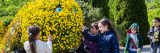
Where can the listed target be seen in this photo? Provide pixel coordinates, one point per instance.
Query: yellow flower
(65, 25)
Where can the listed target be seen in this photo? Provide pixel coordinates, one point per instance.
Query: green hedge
(128, 12)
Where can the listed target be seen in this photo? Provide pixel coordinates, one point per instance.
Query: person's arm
(27, 49)
(126, 44)
(88, 36)
(140, 42)
(48, 46)
(150, 33)
(115, 45)
(3, 50)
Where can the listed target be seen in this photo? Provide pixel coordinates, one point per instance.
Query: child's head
(156, 21)
(104, 25)
(94, 27)
(33, 32)
(134, 28)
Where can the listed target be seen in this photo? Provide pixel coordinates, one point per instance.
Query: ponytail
(33, 31)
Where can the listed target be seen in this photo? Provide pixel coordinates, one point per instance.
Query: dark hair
(33, 31)
(107, 22)
(157, 18)
(95, 24)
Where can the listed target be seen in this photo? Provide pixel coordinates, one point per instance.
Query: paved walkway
(146, 49)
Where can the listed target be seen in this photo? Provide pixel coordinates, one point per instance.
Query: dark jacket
(92, 46)
(107, 41)
(128, 42)
(151, 33)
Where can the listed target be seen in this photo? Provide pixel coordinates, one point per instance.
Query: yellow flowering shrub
(12, 38)
(1, 28)
(64, 24)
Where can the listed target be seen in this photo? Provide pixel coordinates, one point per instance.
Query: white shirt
(41, 47)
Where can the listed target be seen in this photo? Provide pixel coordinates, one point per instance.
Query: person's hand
(83, 28)
(139, 50)
(148, 36)
(50, 37)
(125, 51)
(151, 37)
(3, 50)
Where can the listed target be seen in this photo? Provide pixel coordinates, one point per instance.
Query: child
(34, 45)
(107, 40)
(92, 46)
(133, 40)
(154, 36)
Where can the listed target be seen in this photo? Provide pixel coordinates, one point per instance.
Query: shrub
(128, 12)
(90, 13)
(62, 18)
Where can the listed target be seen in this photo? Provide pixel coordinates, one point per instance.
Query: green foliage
(128, 12)
(103, 4)
(90, 13)
(65, 25)
(112, 10)
(6, 20)
(153, 8)
(10, 7)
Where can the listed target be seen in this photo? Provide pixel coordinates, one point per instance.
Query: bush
(1, 38)
(153, 9)
(104, 5)
(128, 12)
(6, 20)
(65, 24)
(10, 7)
(90, 13)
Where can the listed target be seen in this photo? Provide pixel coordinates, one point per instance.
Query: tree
(128, 12)
(90, 13)
(103, 4)
(153, 8)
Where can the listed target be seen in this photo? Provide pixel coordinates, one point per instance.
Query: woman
(34, 45)
(107, 40)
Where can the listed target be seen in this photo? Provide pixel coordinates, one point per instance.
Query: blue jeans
(155, 47)
(132, 52)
